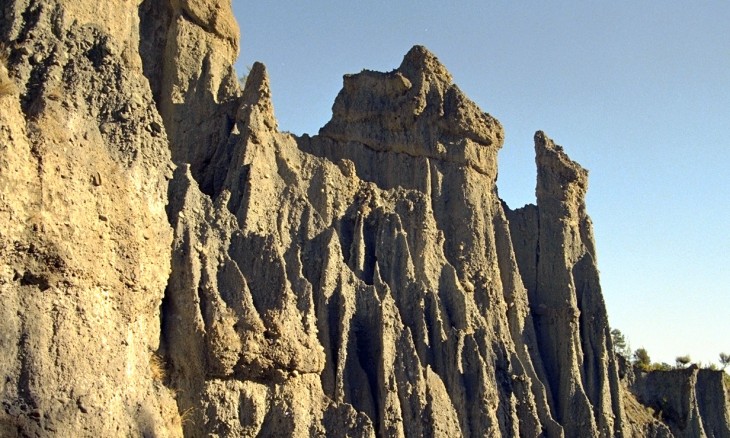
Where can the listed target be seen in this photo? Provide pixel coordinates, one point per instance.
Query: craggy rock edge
(173, 265)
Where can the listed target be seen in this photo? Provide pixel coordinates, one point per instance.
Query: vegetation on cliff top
(640, 357)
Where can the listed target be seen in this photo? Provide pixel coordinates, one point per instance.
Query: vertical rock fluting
(556, 254)
(366, 281)
(378, 257)
(239, 317)
(188, 50)
(693, 402)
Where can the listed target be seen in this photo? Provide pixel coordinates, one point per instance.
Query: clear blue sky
(637, 92)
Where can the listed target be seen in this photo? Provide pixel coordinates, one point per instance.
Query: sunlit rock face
(377, 261)
(84, 236)
(173, 265)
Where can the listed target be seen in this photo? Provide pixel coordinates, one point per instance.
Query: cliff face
(374, 263)
(690, 402)
(174, 265)
(84, 240)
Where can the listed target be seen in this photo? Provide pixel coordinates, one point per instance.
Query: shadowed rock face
(692, 402)
(377, 259)
(366, 281)
(554, 243)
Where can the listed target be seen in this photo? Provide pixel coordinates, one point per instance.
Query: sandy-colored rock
(556, 256)
(84, 241)
(407, 279)
(366, 281)
(188, 50)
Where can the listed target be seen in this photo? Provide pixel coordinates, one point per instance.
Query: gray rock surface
(366, 281)
(556, 255)
(693, 402)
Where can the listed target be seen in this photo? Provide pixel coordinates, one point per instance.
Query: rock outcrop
(556, 257)
(173, 265)
(691, 402)
(84, 240)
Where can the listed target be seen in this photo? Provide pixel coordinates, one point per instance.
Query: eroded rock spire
(173, 265)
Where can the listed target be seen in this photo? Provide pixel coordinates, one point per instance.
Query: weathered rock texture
(692, 402)
(84, 240)
(366, 281)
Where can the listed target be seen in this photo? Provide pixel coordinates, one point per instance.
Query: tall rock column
(567, 305)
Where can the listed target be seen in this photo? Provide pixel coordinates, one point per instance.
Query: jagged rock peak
(365, 281)
(257, 98)
(419, 60)
(553, 161)
(415, 110)
(257, 87)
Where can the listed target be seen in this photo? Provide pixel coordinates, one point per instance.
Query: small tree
(661, 367)
(683, 361)
(244, 77)
(724, 360)
(642, 359)
(620, 345)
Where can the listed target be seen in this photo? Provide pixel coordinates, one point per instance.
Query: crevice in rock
(367, 356)
(154, 21)
(369, 239)
(364, 281)
(31, 279)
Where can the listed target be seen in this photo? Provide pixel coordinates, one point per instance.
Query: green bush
(642, 359)
(683, 361)
(724, 360)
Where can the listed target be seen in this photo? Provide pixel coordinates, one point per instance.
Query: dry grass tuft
(4, 55)
(158, 367)
(7, 86)
(186, 417)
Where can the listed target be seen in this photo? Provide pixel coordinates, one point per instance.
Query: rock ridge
(171, 264)
(686, 402)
